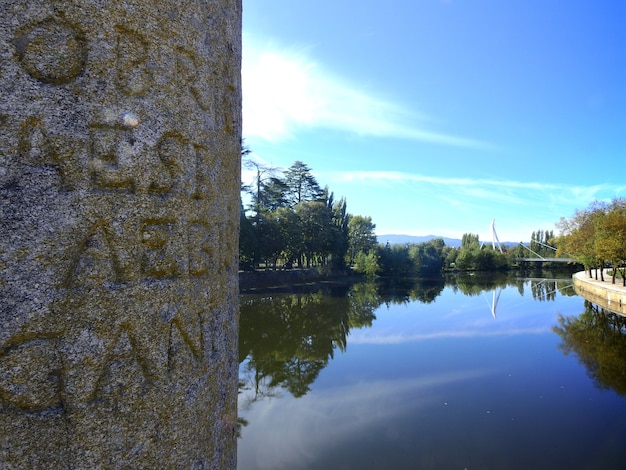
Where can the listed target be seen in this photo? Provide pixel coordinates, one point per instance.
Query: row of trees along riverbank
(596, 237)
(435, 256)
(291, 221)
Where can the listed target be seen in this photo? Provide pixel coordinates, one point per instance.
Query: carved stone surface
(119, 204)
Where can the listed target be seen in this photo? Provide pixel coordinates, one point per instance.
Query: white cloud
(285, 90)
(509, 191)
(400, 338)
(343, 412)
(456, 205)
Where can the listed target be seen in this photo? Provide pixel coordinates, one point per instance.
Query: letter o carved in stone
(51, 52)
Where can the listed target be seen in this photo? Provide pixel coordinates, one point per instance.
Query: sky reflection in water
(444, 385)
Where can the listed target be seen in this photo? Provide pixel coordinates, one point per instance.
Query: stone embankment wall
(604, 294)
(120, 137)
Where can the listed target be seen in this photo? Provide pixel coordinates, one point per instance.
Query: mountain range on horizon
(399, 239)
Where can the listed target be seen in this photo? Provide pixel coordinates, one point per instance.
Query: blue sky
(437, 116)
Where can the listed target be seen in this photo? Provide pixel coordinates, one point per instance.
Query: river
(470, 372)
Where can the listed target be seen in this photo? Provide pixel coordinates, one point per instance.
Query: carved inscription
(51, 52)
(188, 326)
(164, 248)
(175, 156)
(133, 74)
(38, 147)
(114, 257)
(30, 374)
(95, 263)
(125, 366)
(110, 158)
(160, 249)
(186, 68)
(201, 251)
(56, 53)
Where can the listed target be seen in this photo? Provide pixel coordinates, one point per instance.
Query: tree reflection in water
(288, 338)
(598, 338)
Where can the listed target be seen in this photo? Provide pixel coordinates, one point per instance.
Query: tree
(578, 237)
(427, 257)
(361, 236)
(470, 241)
(268, 190)
(301, 184)
(472, 257)
(610, 242)
(293, 220)
(273, 194)
(316, 229)
(290, 233)
(339, 222)
(271, 242)
(366, 263)
(395, 261)
(248, 242)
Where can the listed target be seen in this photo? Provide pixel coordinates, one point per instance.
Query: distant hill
(395, 239)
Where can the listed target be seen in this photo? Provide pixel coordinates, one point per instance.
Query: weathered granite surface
(119, 204)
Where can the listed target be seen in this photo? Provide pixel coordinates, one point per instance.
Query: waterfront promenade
(602, 293)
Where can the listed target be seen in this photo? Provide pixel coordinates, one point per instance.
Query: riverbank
(603, 293)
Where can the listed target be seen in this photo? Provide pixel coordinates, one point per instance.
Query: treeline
(596, 237)
(292, 221)
(432, 257)
(542, 242)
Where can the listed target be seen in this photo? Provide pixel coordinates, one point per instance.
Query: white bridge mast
(495, 236)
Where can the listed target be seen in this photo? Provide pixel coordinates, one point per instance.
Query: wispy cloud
(408, 338)
(451, 206)
(509, 191)
(285, 90)
(345, 413)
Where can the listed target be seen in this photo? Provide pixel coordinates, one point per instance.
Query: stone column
(119, 203)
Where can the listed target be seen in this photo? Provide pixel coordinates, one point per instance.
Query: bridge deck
(548, 260)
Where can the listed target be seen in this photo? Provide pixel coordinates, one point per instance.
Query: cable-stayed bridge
(537, 258)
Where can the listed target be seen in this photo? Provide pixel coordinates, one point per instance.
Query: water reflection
(428, 378)
(598, 338)
(403, 291)
(286, 339)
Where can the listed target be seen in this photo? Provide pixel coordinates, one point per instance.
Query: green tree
(366, 263)
(361, 236)
(301, 184)
(470, 241)
(339, 221)
(290, 234)
(317, 232)
(427, 257)
(262, 174)
(395, 261)
(578, 236)
(610, 242)
(248, 242)
(269, 235)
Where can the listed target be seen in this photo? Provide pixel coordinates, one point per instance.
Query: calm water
(471, 373)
